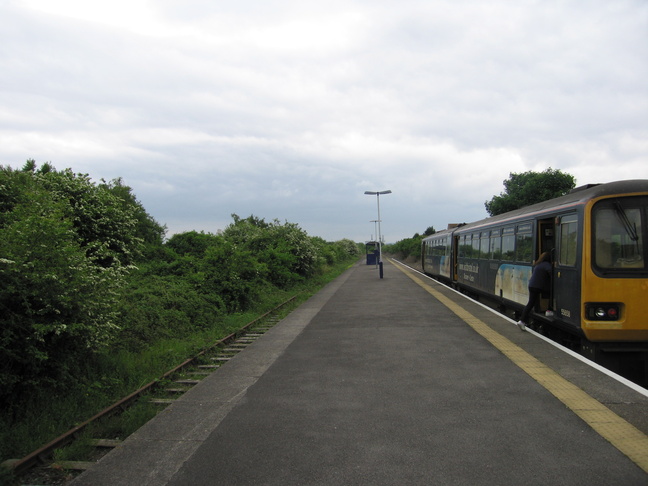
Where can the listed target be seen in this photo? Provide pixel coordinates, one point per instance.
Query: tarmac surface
(378, 382)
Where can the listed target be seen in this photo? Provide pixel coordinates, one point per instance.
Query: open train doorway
(547, 242)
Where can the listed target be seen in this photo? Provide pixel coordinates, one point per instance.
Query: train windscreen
(619, 234)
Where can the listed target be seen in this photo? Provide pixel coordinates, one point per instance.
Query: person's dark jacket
(541, 277)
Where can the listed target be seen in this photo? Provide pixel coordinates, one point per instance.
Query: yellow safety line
(621, 434)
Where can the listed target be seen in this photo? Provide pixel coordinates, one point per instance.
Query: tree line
(520, 190)
(84, 269)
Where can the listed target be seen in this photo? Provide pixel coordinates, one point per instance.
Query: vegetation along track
(160, 392)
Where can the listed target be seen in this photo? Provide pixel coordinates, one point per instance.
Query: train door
(455, 256)
(547, 242)
(566, 271)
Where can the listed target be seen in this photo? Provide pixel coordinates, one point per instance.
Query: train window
(485, 247)
(439, 248)
(475, 246)
(568, 241)
(495, 247)
(462, 247)
(508, 247)
(618, 236)
(524, 248)
(524, 228)
(467, 243)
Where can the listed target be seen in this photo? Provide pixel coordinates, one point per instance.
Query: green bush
(87, 283)
(155, 307)
(285, 249)
(56, 303)
(409, 247)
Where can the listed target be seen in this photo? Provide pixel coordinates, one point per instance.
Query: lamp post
(375, 222)
(377, 194)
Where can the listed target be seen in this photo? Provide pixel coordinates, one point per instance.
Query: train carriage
(596, 234)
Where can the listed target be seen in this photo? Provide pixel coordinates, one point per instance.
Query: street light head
(375, 193)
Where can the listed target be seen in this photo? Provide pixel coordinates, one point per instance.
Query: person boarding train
(539, 284)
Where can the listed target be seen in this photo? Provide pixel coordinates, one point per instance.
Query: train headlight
(602, 311)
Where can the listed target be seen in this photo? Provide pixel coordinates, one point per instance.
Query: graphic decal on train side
(512, 281)
(438, 266)
(444, 266)
(470, 272)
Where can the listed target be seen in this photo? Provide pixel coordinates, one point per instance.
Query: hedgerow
(86, 272)
(409, 248)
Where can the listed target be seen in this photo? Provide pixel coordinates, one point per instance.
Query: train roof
(579, 195)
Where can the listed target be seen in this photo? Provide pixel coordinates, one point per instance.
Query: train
(597, 234)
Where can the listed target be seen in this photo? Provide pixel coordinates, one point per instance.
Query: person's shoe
(549, 313)
(521, 325)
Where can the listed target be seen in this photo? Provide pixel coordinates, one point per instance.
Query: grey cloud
(291, 110)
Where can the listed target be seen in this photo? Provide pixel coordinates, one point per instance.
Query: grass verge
(116, 374)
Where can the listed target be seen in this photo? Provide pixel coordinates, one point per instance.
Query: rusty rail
(41, 455)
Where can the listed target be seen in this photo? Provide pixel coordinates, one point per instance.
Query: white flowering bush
(62, 263)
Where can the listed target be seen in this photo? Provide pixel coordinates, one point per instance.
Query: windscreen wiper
(631, 228)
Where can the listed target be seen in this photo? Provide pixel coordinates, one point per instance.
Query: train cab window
(618, 235)
(568, 241)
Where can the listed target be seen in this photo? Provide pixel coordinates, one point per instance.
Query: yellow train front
(599, 290)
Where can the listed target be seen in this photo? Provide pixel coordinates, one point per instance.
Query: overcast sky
(290, 110)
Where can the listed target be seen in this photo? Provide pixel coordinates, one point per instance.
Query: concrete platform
(381, 382)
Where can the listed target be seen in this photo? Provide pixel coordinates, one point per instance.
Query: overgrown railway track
(161, 392)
